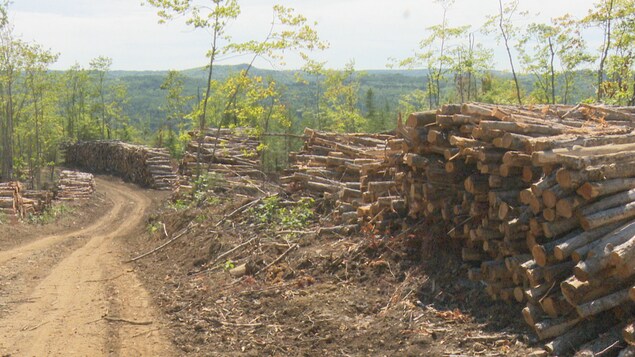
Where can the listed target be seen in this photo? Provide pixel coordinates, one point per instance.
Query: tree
(215, 19)
(571, 52)
(602, 16)
(12, 60)
(288, 32)
(73, 104)
(369, 105)
(539, 58)
(341, 96)
(434, 55)
(468, 61)
(315, 70)
(175, 111)
(99, 67)
(37, 83)
(503, 24)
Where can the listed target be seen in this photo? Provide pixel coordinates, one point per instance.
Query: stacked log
(36, 201)
(10, 201)
(74, 185)
(149, 167)
(594, 183)
(232, 153)
(356, 171)
(16, 201)
(539, 198)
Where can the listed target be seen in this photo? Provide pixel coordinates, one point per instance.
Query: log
(592, 190)
(608, 216)
(566, 206)
(598, 257)
(551, 328)
(516, 159)
(515, 141)
(578, 292)
(580, 157)
(568, 141)
(569, 178)
(608, 202)
(532, 314)
(553, 229)
(542, 253)
(535, 294)
(564, 249)
(609, 343)
(544, 183)
(521, 128)
(556, 305)
(629, 333)
(577, 336)
(623, 253)
(602, 304)
(421, 119)
(551, 195)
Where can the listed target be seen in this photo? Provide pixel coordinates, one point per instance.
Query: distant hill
(388, 85)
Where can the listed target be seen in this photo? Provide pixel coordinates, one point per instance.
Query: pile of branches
(356, 171)
(149, 167)
(542, 200)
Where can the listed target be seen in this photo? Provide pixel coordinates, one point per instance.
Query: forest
(549, 63)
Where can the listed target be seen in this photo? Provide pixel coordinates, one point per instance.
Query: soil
(64, 289)
(363, 294)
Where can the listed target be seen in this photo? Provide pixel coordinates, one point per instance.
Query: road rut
(90, 304)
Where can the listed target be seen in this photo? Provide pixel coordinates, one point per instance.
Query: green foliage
(178, 205)
(341, 98)
(153, 227)
(228, 265)
(271, 211)
(297, 216)
(205, 182)
(51, 214)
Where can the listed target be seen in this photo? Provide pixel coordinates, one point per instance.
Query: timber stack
(16, 201)
(10, 201)
(354, 171)
(542, 201)
(149, 167)
(36, 201)
(74, 185)
(232, 153)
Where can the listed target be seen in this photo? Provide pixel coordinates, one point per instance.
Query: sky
(369, 32)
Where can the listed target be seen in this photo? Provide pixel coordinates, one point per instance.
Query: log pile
(356, 171)
(74, 185)
(16, 201)
(232, 153)
(542, 201)
(36, 201)
(149, 167)
(10, 201)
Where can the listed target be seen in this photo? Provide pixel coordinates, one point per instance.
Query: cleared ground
(66, 291)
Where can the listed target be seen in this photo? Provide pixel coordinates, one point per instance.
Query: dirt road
(70, 294)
